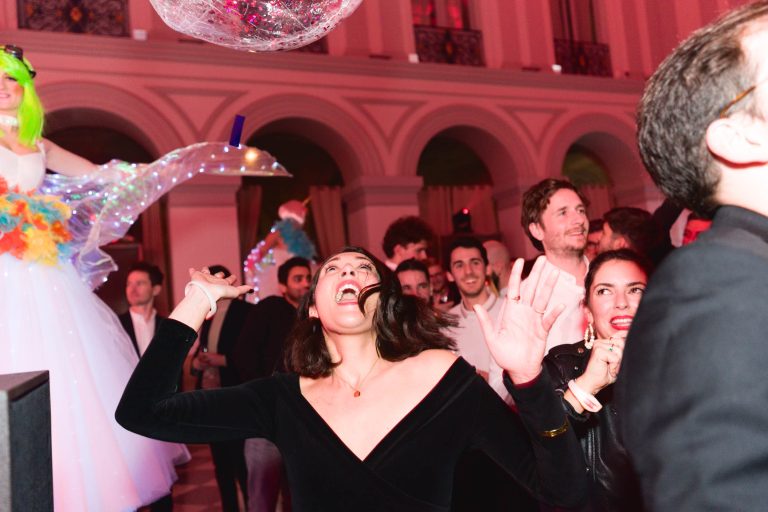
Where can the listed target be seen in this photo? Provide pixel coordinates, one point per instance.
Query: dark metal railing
(583, 58)
(449, 45)
(102, 17)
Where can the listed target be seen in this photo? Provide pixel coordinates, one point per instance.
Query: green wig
(30, 114)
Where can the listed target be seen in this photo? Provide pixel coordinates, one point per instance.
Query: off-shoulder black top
(411, 469)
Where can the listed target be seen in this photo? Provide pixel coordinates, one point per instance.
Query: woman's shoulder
(434, 366)
(437, 361)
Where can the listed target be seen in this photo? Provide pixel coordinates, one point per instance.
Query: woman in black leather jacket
(585, 371)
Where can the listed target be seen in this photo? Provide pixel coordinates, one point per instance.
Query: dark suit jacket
(692, 394)
(127, 322)
(237, 314)
(259, 350)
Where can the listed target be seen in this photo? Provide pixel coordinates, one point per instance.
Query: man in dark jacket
(691, 393)
(141, 321)
(259, 352)
(214, 364)
(144, 283)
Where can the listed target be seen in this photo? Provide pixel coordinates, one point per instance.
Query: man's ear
(620, 242)
(282, 288)
(536, 231)
(156, 289)
(738, 141)
(397, 252)
(450, 277)
(313, 312)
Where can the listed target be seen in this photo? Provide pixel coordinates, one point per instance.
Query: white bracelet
(207, 294)
(587, 400)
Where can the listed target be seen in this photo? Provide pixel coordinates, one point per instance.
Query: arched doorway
(458, 188)
(312, 167)
(455, 178)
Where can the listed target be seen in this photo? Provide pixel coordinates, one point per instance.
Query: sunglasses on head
(18, 52)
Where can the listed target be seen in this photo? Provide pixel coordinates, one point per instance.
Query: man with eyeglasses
(692, 393)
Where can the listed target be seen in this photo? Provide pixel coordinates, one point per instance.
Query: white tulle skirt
(49, 320)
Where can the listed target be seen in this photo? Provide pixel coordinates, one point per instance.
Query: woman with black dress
(378, 409)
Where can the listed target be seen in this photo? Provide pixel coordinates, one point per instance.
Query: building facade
(371, 102)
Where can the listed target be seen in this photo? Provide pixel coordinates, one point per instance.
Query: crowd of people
(607, 374)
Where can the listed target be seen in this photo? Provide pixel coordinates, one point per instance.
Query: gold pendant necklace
(356, 390)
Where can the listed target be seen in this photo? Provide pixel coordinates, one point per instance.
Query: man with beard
(555, 219)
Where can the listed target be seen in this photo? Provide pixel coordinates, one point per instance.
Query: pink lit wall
(369, 107)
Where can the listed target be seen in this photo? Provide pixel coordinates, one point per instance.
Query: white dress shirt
(470, 342)
(570, 325)
(144, 329)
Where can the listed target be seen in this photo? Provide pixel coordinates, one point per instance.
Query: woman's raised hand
(219, 286)
(519, 340)
(200, 300)
(603, 365)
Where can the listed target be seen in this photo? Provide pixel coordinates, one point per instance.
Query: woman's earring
(589, 337)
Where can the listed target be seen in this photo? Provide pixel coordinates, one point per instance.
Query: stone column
(509, 208)
(373, 202)
(202, 228)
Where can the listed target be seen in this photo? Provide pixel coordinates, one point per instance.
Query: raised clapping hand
(520, 340)
(603, 366)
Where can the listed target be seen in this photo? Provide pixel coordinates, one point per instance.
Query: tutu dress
(50, 320)
(51, 228)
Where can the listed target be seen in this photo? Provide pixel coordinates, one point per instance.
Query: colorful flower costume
(50, 320)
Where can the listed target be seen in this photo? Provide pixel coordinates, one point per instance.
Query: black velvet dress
(411, 469)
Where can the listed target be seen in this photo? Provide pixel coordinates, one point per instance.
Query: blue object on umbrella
(237, 131)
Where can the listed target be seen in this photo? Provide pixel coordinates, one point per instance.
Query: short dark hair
(404, 325)
(467, 242)
(535, 201)
(412, 264)
(153, 271)
(618, 255)
(637, 226)
(684, 96)
(404, 231)
(595, 225)
(285, 269)
(215, 269)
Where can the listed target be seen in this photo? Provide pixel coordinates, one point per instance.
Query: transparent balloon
(255, 25)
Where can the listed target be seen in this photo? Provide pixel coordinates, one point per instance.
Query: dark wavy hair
(404, 325)
(153, 271)
(618, 255)
(406, 230)
(637, 225)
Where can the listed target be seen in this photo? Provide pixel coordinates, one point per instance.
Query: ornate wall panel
(101, 17)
